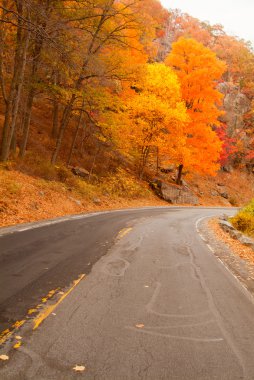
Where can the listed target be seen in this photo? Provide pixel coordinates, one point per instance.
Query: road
(155, 303)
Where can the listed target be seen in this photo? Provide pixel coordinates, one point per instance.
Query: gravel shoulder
(238, 258)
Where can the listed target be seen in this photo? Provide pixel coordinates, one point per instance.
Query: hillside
(90, 128)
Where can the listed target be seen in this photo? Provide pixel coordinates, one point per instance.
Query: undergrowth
(119, 184)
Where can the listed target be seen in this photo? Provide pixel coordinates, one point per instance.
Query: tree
(199, 70)
(154, 111)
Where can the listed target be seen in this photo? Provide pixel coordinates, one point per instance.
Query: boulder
(246, 241)
(174, 194)
(81, 172)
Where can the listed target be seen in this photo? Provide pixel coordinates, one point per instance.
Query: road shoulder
(236, 257)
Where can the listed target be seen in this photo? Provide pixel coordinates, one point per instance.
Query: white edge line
(242, 285)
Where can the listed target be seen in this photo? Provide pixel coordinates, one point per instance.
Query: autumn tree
(154, 111)
(199, 70)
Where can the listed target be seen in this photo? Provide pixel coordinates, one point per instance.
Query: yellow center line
(124, 232)
(45, 313)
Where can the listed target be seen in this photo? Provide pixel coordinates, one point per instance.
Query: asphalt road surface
(155, 303)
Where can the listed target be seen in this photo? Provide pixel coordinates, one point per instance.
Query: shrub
(244, 219)
(122, 184)
(64, 174)
(86, 189)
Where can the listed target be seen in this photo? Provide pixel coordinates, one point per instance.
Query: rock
(173, 193)
(226, 226)
(78, 202)
(227, 169)
(97, 201)
(155, 185)
(246, 241)
(81, 172)
(41, 193)
(224, 195)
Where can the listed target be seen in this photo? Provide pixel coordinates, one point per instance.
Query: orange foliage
(198, 71)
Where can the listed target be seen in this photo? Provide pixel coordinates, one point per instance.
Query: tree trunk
(2, 38)
(55, 118)
(65, 120)
(30, 97)
(144, 156)
(94, 159)
(64, 123)
(179, 175)
(75, 137)
(157, 160)
(13, 99)
(55, 109)
(13, 147)
(36, 57)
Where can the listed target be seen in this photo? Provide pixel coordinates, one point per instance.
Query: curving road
(157, 304)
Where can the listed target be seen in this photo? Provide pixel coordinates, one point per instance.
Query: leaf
(17, 345)
(4, 357)
(140, 325)
(79, 368)
(18, 337)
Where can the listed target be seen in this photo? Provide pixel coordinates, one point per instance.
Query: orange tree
(198, 70)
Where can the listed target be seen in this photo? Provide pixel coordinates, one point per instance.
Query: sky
(237, 16)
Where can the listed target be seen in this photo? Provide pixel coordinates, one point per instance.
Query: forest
(121, 84)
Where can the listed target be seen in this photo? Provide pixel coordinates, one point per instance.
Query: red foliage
(228, 147)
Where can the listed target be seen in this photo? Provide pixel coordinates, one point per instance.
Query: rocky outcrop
(174, 194)
(235, 104)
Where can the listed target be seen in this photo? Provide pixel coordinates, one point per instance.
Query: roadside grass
(244, 219)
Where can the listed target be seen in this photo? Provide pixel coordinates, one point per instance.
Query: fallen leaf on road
(31, 311)
(140, 326)
(53, 313)
(17, 345)
(18, 337)
(79, 368)
(4, 357)
(146, 286)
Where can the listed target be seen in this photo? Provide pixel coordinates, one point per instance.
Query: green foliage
(244, 219)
